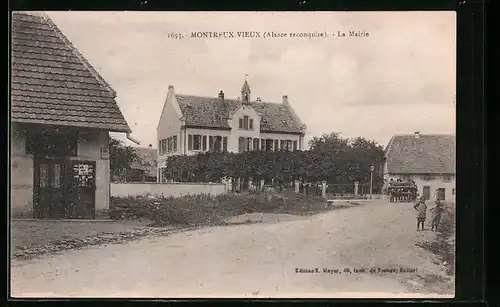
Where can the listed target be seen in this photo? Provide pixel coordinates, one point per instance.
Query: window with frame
(224, 143)
(164, 146)
(240, 123)
(256, 144)
(250, 124)
(196, 142)
(218, 143)
(276, 145)
(174, 145)
(204, 143)
(288, 145)
(169, 144)
(269, 144)
(245, 122)
(249, 144)
(190, 142)
(210, 143)
(241, 144)
(282, 144)
(295, 143)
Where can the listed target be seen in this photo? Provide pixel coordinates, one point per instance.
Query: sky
(399, 79)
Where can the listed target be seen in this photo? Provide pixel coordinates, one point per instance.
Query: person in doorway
(436, 215)
(421, 208)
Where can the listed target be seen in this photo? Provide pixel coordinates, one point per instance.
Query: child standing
(436, 215)
(421, 212)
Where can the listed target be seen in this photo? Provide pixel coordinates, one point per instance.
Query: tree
(121, 157)
(331, 157)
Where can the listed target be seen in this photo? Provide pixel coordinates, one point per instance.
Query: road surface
(253, 261)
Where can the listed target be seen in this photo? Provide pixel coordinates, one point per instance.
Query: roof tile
(53, 84)
(211, 112)
(427, 154)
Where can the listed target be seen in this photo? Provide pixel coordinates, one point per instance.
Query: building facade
(429, 160)
(61, 114)
(193, 124)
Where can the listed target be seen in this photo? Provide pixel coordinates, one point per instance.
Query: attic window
(284, 122)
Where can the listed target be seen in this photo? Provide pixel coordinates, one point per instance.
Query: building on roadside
(61, 114)
(143, 170)
(192, 124)
(428, 160)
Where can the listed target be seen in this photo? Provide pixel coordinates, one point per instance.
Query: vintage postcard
(233, 154)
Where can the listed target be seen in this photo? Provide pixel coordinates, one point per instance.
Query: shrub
(133, 208)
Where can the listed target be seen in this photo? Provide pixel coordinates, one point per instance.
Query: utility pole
(372, 168)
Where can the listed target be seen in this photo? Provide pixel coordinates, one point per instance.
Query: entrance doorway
(441, 192)
(49, 188)
(426, 192)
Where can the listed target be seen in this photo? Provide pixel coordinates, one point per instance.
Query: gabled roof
(147, 162)
(427, 154)
(211, 112)
(52, 83)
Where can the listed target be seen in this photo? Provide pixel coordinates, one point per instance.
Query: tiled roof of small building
(53, 84)
(211, 112)
(425, 154)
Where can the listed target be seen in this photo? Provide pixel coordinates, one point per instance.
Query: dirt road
(256, 261)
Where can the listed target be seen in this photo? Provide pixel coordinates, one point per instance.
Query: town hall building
(192, 124)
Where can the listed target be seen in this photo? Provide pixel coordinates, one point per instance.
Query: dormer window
(284, 122)
(246, 123)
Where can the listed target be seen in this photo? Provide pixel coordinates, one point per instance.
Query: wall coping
(170, 183)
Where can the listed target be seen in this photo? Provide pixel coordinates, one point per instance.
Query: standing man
(421, 212)
(436, 215)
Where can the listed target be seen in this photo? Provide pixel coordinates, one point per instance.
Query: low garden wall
(166, 189)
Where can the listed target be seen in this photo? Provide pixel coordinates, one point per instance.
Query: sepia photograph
(232, 154)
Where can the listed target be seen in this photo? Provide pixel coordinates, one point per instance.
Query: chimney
(285, 99)
(258, 99)
(221, 95)
(150, 146)
(417, 135)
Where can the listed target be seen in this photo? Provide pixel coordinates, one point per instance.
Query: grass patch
(200, 210)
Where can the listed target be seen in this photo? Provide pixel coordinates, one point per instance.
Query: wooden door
(81, 190)
(426, 192)
(49, 191)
